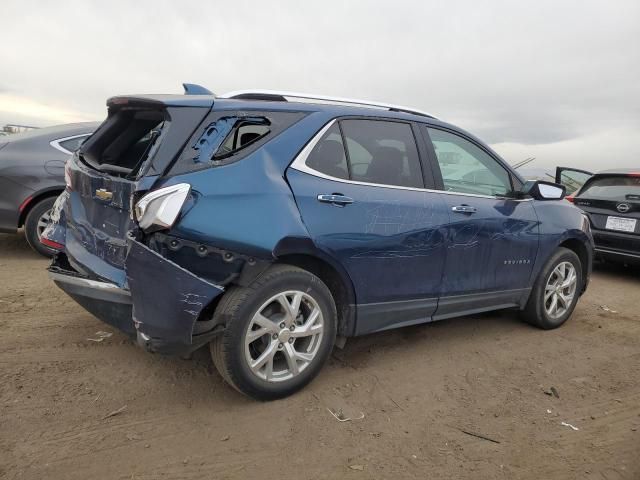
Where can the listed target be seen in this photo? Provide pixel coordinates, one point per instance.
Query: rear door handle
(336, 199)
(464, 209)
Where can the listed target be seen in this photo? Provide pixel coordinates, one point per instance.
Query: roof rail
(283, 96)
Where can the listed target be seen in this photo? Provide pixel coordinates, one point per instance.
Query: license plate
(621, 224)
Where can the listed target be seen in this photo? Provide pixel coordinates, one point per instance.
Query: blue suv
(273, 225)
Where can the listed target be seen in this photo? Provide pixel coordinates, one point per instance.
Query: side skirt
(377, 317)
(460, 305)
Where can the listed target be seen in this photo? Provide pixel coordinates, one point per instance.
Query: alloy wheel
(284, 336)
(43, 221)
(560, 290)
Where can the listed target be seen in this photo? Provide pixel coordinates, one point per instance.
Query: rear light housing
(51, 243)
(159, 209)
(569, 198)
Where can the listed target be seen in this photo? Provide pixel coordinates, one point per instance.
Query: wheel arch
(582, 251)
(303, 253)
(34, 199)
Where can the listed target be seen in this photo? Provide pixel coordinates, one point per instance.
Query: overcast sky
(556, 80)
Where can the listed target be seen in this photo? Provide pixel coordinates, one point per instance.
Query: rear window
(616, 188)
(124, 141)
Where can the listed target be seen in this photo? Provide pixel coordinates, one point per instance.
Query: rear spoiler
(157, 102)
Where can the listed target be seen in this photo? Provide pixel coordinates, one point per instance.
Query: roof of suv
(271, 100)
(256, 99)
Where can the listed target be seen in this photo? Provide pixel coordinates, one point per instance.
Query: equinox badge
(104, 194)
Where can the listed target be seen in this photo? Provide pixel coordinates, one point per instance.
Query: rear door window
(329, 156)
(369, 151)
(382, 152)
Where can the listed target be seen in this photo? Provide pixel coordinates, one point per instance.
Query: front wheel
(279, 331)
(556, 291)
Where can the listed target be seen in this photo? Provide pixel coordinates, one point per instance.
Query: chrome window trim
(299, 164)
(56, 143)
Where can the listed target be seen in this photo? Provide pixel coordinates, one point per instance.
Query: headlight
(161, 207)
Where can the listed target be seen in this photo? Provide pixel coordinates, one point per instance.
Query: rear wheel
(35, 223)
(278, 333)
(556, 291)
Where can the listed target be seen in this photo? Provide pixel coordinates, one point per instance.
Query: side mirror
(541, 190)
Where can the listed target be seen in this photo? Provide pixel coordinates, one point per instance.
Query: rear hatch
(124, 158)
(613, 203)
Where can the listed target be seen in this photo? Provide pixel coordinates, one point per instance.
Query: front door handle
(336, 199)
(464, 209)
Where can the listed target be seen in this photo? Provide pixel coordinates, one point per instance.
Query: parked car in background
(266, 224)
(32, 176)
(611, 200)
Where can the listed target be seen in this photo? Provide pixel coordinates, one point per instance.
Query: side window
(73, 144)
(382, 152)
(466, 168)
(328, 155)
(242, 135)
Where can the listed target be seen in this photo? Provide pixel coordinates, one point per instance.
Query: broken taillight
(51, 243)
(160, 208)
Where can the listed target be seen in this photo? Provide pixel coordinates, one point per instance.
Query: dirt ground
(418, 389)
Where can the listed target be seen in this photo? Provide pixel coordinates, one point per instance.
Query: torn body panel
(167, 299)
(224, 235)
(163, 306)
(56, 230)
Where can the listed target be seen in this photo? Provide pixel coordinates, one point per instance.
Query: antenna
(523, 162)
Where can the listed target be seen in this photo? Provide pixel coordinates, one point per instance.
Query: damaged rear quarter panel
(167, 299)
(247, 206)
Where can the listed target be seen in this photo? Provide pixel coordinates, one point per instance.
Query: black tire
(31, 228)
(236, 310)
(535, 312)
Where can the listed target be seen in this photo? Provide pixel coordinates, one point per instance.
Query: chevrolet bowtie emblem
(104, 194)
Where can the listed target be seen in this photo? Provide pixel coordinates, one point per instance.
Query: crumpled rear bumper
(163, 306)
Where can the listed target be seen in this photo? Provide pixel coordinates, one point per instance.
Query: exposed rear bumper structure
(104, 300)
(163, 306)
